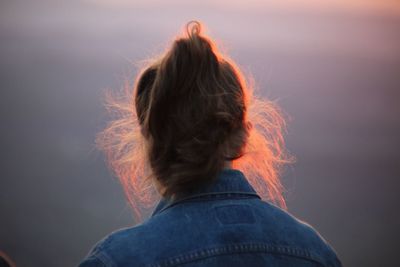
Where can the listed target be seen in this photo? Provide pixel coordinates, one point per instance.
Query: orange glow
(125, 147)
(265, 152)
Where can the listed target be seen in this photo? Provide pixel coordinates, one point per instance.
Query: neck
(160, 188)
(228, 165)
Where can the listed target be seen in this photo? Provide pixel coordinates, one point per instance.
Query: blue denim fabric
(223, 224)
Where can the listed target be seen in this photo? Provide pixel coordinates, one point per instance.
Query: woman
(197, 137)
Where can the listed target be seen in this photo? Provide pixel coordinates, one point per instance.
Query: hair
(5, 260)
(191, 110)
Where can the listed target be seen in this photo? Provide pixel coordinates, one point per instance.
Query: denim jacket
(223, 224)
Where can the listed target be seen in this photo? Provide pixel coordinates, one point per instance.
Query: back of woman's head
(191, 110)
(192, 113)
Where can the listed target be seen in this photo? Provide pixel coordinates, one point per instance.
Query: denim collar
(228, 182)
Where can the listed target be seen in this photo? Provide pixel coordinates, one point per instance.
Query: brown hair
(189, 111)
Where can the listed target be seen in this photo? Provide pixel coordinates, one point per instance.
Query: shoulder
(296, 233)
(131, 246)
(164, 235)
(124, 244)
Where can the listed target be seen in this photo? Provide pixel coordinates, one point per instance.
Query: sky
(332, 66)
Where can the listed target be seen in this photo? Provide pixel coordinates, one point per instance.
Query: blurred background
(333, 66)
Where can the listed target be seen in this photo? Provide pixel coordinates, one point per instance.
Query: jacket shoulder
(164, 235)
(289, 229)
(118, 247)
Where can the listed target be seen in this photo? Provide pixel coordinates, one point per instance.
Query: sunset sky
(333, 67)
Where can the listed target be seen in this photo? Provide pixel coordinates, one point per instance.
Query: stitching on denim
(235, 249)
(212, 196)
(104, 259)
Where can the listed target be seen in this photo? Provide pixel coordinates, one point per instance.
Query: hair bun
(193, 28)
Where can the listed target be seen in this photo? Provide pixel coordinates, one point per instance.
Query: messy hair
(189, 111)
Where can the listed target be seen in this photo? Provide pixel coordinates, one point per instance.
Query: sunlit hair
(189, 111)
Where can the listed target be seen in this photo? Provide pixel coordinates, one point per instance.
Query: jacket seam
(236, 248)
(104, 259)
(212, 196)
